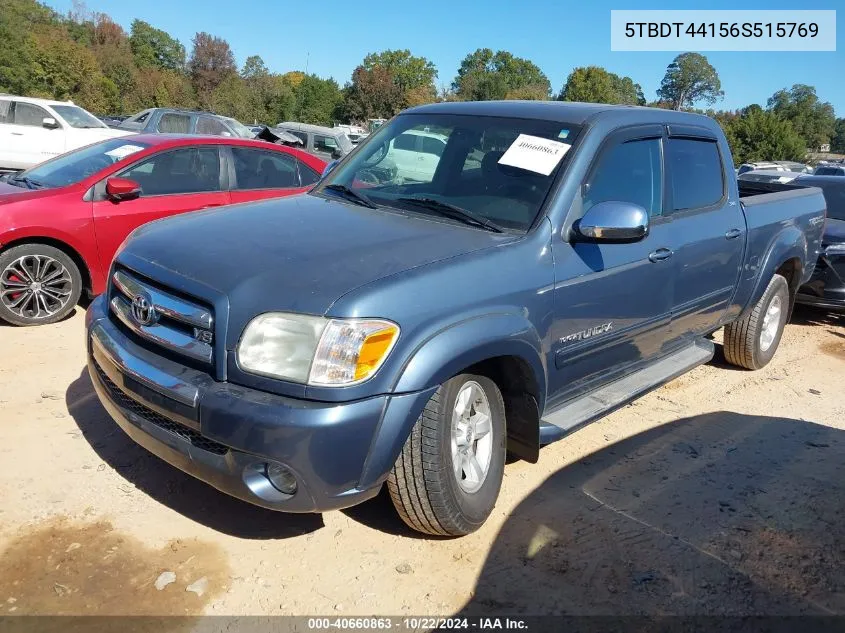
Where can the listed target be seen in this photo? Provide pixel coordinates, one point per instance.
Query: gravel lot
(722, 492)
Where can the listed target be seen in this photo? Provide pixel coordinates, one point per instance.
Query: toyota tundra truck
(560, 260)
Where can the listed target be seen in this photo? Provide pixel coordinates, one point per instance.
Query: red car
(62, 221)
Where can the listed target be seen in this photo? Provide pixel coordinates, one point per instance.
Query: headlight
(315, 350)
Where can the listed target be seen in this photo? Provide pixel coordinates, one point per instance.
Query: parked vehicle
(355, 133)
(325, 142)
(769, 175)
(795, 167)
(113, 120)
(826, 288)
(410, 334)
(35, 130)
(767, 165)
(413, 156)
(61, 222)
(176, 121)
(830, 170)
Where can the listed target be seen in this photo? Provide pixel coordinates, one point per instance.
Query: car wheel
(447, 478)
(39, 284)
(752, 341)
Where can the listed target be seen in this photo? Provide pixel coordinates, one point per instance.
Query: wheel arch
(506, 348)
(784, 257)
(67, 249)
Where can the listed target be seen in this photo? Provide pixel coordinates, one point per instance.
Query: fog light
(281, 477)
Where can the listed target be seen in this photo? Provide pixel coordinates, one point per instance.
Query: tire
(29, 264)
(423, 484)
(752, 341)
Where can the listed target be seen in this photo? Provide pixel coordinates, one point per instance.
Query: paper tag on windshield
(533, 153)
(123, 151)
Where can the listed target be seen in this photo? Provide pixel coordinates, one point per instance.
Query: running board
(587, 408)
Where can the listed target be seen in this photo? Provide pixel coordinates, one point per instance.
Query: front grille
(181, 327)
(130, 404)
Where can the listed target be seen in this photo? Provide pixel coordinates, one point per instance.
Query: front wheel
(447, 478)
(39, 284)
(752, 342)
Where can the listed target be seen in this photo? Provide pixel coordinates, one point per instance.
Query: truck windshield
(75, 166)
(499, 169)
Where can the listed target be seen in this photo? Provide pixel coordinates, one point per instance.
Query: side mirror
(122, 189)
(613, 221)
(329, 167)
(49, 122)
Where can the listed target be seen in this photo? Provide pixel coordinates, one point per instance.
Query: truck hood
(297, 254)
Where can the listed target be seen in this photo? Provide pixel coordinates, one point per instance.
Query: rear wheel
(447, 478)
(39, 284)
(752, 342)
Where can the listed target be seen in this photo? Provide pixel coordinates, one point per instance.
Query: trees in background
(813, 119)
(154, 48)
(837, 143)
(757, 135)
(210, 64)
(594, 84)
(486, 75)
(690, 79)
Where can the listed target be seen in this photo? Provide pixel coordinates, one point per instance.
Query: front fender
(469, 342)
(440, 357)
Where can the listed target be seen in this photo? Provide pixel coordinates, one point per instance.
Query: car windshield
(240, 129)
(498, 169)
(75, 166)
(77, 117)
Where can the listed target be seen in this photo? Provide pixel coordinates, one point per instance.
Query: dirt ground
(721, 493)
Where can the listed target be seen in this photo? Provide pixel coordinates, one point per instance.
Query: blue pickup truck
(412, 326)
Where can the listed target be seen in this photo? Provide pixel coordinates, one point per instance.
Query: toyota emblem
(142, 310)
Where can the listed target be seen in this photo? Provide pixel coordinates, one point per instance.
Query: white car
(414, 155)
(35, 130)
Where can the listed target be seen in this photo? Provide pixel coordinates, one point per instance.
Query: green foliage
(210, 64)
(837, 143)
(373, 93)
(154, 48)
(689, 79)
(317, 100)
(593, 84)
(814, 120)
(408, 72)
(485, 75)
(759, 135)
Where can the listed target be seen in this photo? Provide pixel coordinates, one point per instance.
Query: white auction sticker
(123, 151)
(534, 153)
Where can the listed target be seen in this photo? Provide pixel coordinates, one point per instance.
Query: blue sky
(555, 35)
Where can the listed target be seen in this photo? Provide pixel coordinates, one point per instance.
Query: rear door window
(257, 169)
(694, 167)
(171, 123)
(5, 111)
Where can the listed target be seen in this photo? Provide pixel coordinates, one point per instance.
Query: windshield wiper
(29, 182)
(354, 196)
(454, 211)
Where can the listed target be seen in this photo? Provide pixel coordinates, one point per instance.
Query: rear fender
(789, 244)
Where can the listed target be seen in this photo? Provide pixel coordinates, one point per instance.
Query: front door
(172, 182)
(612, 301)
(709, 228)
(29, 141)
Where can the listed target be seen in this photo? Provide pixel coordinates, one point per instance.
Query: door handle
(217, 204)
(16, 133)
(660, 254)
(733, 234)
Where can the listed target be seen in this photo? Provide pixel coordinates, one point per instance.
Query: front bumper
(826, 288)
(223, 433)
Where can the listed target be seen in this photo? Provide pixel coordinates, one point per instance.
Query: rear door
(613, 301)
(172, 182)
(257, 174)
(708, 227)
